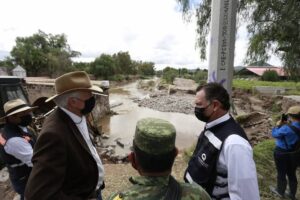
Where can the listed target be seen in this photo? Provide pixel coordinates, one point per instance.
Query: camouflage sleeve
(193, 191)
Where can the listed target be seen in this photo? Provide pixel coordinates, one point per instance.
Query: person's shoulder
(193, 191)
(235, 139)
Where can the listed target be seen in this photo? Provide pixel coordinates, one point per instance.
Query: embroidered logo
(203, 156)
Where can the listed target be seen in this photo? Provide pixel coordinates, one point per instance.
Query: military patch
(118, 197)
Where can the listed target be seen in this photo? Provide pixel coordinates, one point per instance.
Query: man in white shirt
(66, 164)
(223, 159)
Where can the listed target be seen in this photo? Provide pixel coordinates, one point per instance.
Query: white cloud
(151, 30)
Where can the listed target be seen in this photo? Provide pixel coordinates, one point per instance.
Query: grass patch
(249, 84)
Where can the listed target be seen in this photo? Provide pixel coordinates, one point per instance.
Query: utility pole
(222, 42)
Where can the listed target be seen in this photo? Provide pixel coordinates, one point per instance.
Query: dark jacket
(63, 166)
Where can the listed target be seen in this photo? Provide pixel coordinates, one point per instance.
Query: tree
(7, 62)
(273, 26)
(146, 68)
(104, 66)
(123, 63)
(169, 74)
(43, 52)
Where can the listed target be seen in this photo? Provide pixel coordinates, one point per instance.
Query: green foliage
(81, 66)
(249, 84)
(200, 76)
(123, 63)
(103, 66)
(146, 68)
(263, 157)
(270, 75)
(169, 74)
(117, 77)
(273, 26)
(7, 62)
(43, 53)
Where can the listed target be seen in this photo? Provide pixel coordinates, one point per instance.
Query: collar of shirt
(75, 118)
(80, 122)
(24, 129)
(218, 121)
(150, 180)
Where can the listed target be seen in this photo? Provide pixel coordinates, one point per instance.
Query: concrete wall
(38, 90)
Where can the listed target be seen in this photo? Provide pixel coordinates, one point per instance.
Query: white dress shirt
(83, 129)
(236, 158)
(20, 148)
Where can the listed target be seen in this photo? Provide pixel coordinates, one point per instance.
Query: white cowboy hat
(16, 106)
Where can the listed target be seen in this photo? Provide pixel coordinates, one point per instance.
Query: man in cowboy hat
(16, 143)
(65, 162)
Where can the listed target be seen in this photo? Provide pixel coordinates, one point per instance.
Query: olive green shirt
(155, 188)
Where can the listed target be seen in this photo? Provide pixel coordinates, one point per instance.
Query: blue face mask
(89, 105)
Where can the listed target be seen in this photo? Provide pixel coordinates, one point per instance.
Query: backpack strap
(173, 190)
(295, 129)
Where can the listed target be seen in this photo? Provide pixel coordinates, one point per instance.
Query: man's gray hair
(62, 101)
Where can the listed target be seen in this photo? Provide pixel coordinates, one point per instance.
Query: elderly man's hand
(2, 140)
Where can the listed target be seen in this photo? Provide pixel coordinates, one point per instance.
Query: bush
(270, 75)
(117, 77)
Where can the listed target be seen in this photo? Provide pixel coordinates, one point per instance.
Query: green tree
(146, 68)
(169, 74)
(104, 66)
(82, 66)
(7, 62)
(43, 52)
(273, 26)
(123, 63)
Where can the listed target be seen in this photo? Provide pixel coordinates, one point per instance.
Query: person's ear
(176, 151)
(71, 101)
(132, 160)
(216, 105)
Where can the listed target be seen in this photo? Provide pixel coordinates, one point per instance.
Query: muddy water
(122, 126)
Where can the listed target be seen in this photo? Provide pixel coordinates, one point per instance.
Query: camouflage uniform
(156, 136)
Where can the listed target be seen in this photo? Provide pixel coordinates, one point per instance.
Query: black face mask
(25, 120)
(199, 113)
(89, 104)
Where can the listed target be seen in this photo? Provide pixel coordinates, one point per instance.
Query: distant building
(3, 71)
(19, 72)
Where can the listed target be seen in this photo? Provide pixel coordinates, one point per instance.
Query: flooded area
(122, 126)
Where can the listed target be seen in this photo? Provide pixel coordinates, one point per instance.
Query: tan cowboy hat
(15, 106)
(73, 81)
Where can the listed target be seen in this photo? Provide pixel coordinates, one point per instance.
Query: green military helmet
(155, 136)
(294, 111)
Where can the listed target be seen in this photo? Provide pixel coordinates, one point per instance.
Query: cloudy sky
(150, 30)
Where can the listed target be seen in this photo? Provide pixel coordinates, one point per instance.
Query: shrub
(270, 75)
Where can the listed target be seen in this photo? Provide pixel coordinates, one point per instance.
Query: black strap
(295, 129)
(173, 190)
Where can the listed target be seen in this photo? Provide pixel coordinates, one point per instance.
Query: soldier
(16, 143)
(153, 155)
